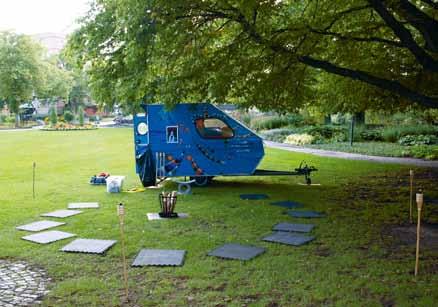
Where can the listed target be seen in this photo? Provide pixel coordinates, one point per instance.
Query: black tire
(202, 181)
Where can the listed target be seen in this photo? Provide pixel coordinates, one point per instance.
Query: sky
(41, 16)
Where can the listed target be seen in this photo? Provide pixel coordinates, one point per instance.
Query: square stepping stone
(61, 213)
(156, 216)
(159, 257)
(83, 205)
(90, 246)
(237, 251)
(50, 236)
(288, 238)
(287, 204)
(254, 196)
(293, 227)
(40, 225)
(306, 214)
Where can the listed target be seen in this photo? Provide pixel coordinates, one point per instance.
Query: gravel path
(353, 156)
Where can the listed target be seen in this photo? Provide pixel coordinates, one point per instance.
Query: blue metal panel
(188, 153)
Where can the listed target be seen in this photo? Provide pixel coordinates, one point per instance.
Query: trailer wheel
(202, 181)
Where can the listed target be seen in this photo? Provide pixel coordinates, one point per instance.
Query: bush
(394, 133)
(246, 119)
(52, 115)
(9, 119)
(68, 116)
(412, 140)
(327, 132)
(299, 139)
(365, 134)
(276, 135)
(274, 122)
(423, 152)
(81, 116)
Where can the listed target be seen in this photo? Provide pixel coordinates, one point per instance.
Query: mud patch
(407, 235)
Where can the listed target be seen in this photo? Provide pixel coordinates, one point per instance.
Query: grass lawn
(351, 262)
(372, 148)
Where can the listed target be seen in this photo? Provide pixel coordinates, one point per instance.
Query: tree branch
(427, 26)
(431, 3)
(358, 39)
(405, 36)
(390, 85)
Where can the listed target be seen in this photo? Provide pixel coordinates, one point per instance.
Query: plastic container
(114, 184)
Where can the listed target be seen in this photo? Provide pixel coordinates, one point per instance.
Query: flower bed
(68, 127)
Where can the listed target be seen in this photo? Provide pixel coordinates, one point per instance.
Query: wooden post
(419, 199)
(411, 175)
(33, 180)
(121, 214)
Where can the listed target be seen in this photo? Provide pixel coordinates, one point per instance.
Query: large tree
(20, 70)
(264, 53)
(57, 80)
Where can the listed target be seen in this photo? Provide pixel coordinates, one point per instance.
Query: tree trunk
(17, 120)
(359, 118)
(327, 119)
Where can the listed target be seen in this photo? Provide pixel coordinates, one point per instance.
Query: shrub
(68, 116)
(276, 135)
(9, 119)
(246, 119)
(299, 139)
(364, 134)
(327, 132)
(274, 122)
(394, 133)
(412, 140)
(52, 115)
(423, 152)
(81, 116)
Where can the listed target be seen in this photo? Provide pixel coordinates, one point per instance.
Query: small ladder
(160, 172)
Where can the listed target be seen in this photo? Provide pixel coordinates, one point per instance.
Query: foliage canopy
(271, 54)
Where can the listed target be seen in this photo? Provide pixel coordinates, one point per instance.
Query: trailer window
(213, 128)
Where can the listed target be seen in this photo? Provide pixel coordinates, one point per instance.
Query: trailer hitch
(306, 170)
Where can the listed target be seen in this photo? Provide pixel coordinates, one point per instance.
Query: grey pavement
(353, 156)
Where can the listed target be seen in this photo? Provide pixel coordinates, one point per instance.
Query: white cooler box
(114, 184)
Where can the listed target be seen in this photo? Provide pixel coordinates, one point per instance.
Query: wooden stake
(121, 214)
(411, 175)
(33, 180)
(419, 198)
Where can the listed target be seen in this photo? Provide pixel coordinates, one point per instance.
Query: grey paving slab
(293, 227)
(305, 214)
(237, 251)
(40, 225)
(159, 257)
(83, 205)
(288, 238)
(61, 213)
(156, 216)
(46, 237)
(90, 246)
(287, 204)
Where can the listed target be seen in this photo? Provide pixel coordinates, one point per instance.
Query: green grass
(348, 264)
(371, 148)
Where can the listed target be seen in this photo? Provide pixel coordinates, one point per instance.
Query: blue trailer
(199, 141)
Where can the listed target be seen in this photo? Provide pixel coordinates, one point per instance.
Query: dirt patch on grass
(407, 235)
